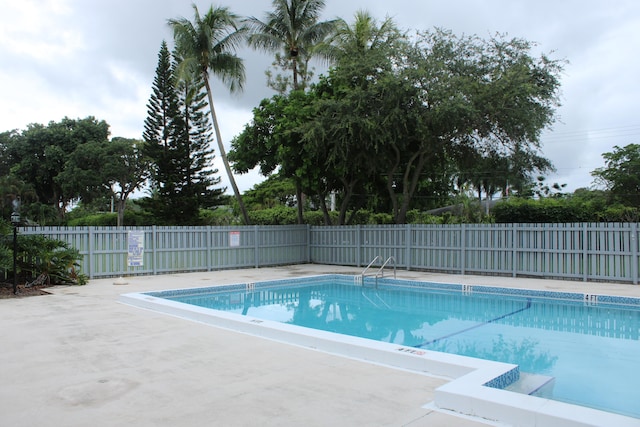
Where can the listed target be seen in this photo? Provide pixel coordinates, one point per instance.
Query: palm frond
(208, 43)
(230, 69)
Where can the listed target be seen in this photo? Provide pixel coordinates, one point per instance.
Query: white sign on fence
(234, 238)
(136, 249)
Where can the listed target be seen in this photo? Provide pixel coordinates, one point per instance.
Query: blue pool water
(590, 346)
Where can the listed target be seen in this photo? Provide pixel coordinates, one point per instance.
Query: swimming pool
(586, 344)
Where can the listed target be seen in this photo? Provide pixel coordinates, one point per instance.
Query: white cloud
(32, 29)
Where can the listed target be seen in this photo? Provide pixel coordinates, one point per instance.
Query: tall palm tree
(291, 27)
(207, 45)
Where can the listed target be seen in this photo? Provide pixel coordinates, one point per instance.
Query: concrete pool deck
(77, 357)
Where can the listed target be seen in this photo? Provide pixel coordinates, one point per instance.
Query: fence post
(407, 246)
(154, 248)
(634, 252)
(585, 252)
(90, 243)
(209, 246)
(463, 248)
(514, 250)
(256, 246)
(358, 246)
(309, 243)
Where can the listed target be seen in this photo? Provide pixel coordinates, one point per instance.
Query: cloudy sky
(80, 58)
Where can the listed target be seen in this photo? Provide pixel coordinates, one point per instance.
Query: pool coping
(468, 391)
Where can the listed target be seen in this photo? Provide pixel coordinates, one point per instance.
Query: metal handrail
(381, 270)
(378, 257)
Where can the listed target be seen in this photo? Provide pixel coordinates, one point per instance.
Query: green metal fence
(583, 251)
(580, 251)
(107, 251)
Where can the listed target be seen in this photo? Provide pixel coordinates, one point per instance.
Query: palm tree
(207, 45)
(291, 27)
(363, 35)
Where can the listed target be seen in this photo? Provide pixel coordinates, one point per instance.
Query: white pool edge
(464, 394)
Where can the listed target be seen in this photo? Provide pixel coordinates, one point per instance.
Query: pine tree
(177, 138)
(161, 130)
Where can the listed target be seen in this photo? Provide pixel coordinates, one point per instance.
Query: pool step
(540, 385)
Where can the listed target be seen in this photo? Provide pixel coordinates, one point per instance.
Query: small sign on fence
(234, 239)
(135, 253)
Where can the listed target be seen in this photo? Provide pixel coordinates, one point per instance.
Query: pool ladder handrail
(378, 257)
(380, 272)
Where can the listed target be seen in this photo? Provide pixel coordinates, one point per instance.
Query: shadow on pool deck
(77, 357)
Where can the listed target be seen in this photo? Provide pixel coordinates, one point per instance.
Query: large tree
(363, 106)
(207, 45)
(477, 95)
(274, 140)
(112, 169)
(126, 170)
(163, 134)
(40, 153)
(621, 174)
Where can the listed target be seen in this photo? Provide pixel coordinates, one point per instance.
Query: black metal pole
(15, 255)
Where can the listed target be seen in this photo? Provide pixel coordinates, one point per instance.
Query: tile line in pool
(504, 316)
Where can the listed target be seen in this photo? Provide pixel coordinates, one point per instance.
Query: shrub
(222, 215)
(563, 210)
(6, 258)
(380, 218)
(95, 220)
(6, 249)
(109, 219)
(51, 261)
(317, 217)
(280, 215)
(549, 210)
(619, 213)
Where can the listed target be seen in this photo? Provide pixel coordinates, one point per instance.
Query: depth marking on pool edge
(412, 351)
(526, 307)
(590, 299)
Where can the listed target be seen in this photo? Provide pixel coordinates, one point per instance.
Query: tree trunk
(295, 72)
(410, 183)
(121, 206)
(348, 192)
(223, 153)
(300, 202)
(325, 211)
